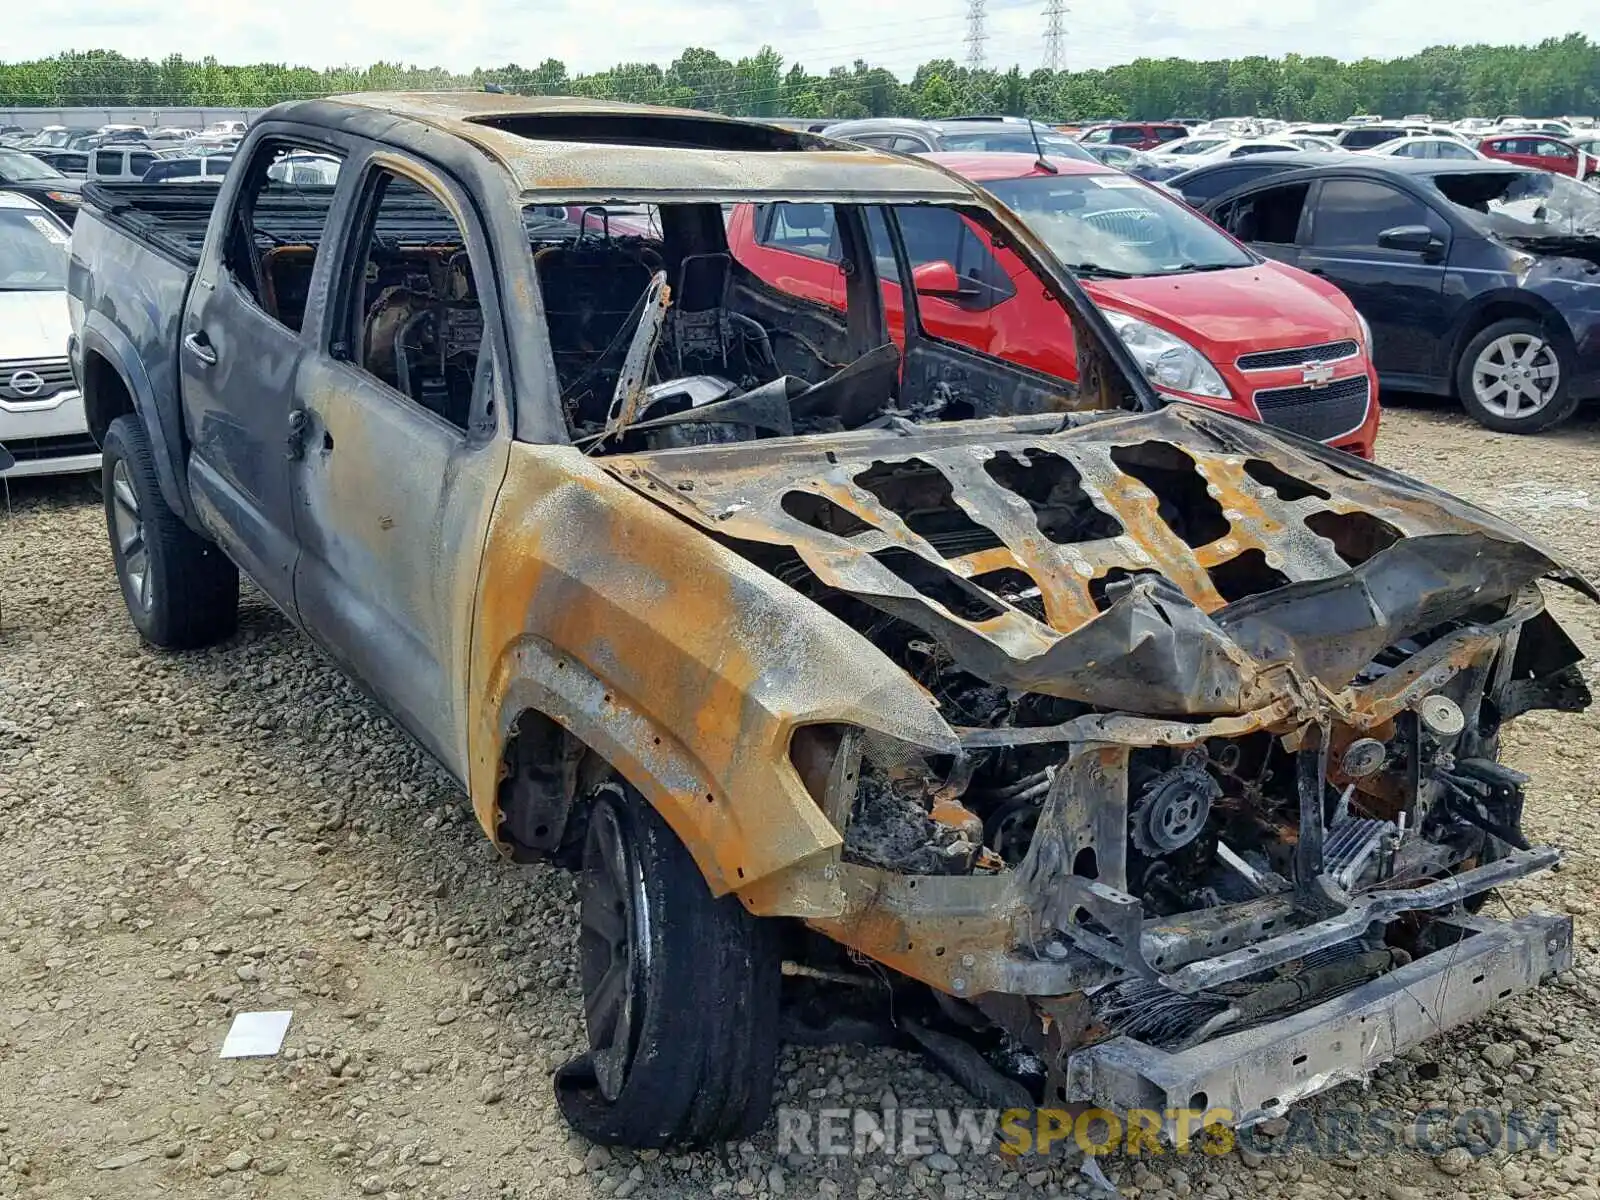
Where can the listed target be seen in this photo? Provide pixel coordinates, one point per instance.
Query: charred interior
(661, 338)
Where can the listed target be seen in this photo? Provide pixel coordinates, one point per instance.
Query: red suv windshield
(1114, 226)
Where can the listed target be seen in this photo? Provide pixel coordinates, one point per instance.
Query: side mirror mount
(1417, 239)
(939, 280)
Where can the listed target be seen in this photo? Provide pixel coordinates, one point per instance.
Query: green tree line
(1557, 76)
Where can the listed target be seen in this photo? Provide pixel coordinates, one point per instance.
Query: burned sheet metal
(917, 687)
(1156, 564)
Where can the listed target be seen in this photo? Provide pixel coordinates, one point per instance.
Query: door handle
(199, 345)
(299, 426)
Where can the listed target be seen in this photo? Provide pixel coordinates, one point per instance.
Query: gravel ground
(189, 836)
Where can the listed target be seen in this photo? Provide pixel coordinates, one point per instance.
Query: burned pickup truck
(1154, 751)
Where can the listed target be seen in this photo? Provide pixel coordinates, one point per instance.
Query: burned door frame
(232, 349)
(392, 500)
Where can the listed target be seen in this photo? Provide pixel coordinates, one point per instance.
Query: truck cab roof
(602, 150)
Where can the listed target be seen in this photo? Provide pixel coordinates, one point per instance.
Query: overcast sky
(592, 34)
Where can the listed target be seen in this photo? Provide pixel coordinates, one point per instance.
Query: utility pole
(1055, 34)
(976, 35)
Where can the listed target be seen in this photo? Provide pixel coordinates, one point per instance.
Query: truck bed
(173, 218)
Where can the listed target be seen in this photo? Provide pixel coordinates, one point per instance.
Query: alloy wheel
(133, 552)
(1516, 376)
(613, 948)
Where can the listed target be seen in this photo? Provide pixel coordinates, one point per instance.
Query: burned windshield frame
(588, 369)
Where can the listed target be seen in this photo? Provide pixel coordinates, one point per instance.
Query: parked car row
(1292, 322)
(1550, 145)
(1477, 278)
(122, 153)
(1545, 376)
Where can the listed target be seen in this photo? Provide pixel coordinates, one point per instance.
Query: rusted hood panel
(1229, 549)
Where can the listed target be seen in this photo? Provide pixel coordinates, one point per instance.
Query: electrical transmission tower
(976, 35)
(1055, 34)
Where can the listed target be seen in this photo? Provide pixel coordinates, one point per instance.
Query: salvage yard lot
(188, 836)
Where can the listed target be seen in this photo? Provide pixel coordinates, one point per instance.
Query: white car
(1190, 147)
(42, 425)
(1424, 147)
(1199, 151)
(1311, 141)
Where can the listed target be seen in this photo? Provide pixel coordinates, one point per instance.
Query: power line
(1055, 34)
(976, 34)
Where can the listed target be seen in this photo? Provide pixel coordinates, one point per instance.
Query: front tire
(181, 591)
(1512, 377)
(680, 992)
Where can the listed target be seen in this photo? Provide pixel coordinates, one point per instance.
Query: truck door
(240, 356)
(404, 446)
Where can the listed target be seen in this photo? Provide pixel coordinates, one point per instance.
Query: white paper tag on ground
(254, 1034)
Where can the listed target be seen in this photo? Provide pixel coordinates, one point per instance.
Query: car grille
(1317, 412)
(1272, 360)
(37, 449)
(41, 378)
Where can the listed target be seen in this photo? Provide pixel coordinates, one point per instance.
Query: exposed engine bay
(1225, 718)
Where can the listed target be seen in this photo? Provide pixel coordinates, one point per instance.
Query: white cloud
(592, 34)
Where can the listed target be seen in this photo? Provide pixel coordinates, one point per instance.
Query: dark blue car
(1478, 279)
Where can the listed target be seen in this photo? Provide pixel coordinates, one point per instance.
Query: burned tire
(1514, 378)
(181, 591)
(680, 992)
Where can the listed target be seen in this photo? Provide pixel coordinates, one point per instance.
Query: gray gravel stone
(180, 817)
(1499, 1055)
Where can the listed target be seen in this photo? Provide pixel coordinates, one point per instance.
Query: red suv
(1542, 151)
(1208, 320)
(1134, 135)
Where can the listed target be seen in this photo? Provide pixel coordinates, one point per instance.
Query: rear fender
(100, 337)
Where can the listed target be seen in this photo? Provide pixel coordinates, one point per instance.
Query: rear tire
(1512, 377)
(181, 591)
(680, 992)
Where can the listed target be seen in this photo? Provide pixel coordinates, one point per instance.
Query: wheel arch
(114, 383)
(560, 727)
(1507, 304)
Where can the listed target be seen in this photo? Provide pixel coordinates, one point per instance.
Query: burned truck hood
(1169, 563)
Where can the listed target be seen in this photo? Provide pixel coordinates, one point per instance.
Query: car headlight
(1366, 332)
(65, 197)
(1168, 360)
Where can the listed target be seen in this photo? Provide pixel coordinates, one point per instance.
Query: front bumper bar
(1248, 1076)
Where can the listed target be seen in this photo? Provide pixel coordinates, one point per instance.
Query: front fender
(686, 667)
(1524, 291)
